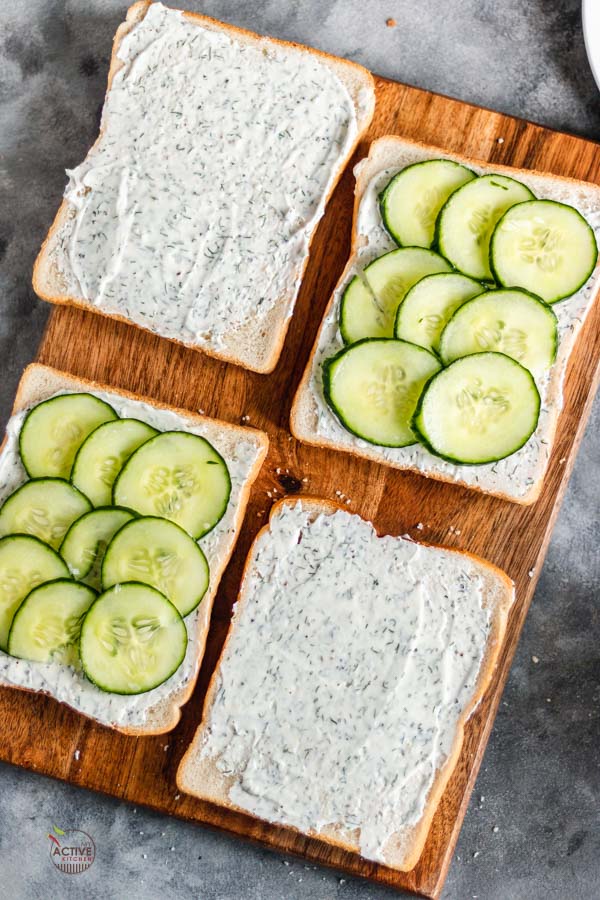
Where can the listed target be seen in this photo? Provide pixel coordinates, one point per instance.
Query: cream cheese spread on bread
(350, 661)
(68, 684)
(192, 214)
(520, 474)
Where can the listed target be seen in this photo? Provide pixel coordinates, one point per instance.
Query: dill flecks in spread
(194, 211)
(69, 685)
(515, 475)
(349, 664)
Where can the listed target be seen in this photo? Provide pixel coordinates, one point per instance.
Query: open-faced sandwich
(444, 347)
(117, 519)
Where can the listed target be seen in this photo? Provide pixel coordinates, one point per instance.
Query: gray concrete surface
(533, 827)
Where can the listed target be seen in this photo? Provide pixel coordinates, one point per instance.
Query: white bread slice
(518, 477)
(243, 449)
(201, 775)
(257, 342)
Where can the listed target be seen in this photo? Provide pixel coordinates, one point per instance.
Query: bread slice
(250, 335)
(280, 600)
(520, 476)
(243, 449)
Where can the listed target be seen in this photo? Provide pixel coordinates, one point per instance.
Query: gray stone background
(533, 827)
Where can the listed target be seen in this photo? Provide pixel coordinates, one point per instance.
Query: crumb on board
(77, 754)
(562, 460)
(500, 140)
(531, 573)
(420, 526)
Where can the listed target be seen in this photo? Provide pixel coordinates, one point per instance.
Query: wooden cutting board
(39, 734)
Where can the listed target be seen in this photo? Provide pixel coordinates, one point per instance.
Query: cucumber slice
(47, 624)
(373, 387)
(512, 322)
(132, 639)
(428, 306)
(360, 313)
(389, 277)
(24, 563)
(480, 409)
(467, 220)
(413, 198)
(103, 454)
(159, 553)
(178, 476)
(53, 431)
(45, 508)
(545, 247)
(85, 542)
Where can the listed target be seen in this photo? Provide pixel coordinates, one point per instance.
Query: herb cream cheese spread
(192, 214)
(515, 475)
(70, 685)
(350, 660)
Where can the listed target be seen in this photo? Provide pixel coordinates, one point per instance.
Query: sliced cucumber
(467, 220)
(53, 431)
(373, 387)
(43, 507)
(103, 454)
(413, 198)
(86, 541)
(544, 247)
(132, 639)
(159, 553)
(24, 563)
(428, 306)
(178, 476)
(360, 313)
(512, 322)
(480, 409)
(47, 624)
(389, 278)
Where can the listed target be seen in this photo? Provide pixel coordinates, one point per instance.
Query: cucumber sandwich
(445, 344)
(116, 521)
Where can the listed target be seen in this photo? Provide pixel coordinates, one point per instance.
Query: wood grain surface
(40, 734)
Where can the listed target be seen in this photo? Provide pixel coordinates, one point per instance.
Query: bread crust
(204, 781)
(135, 14)
(381, 156)
(165, 715)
